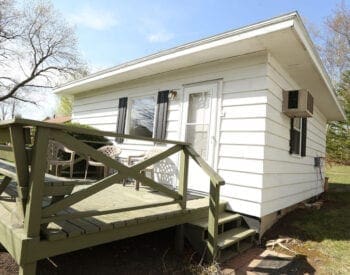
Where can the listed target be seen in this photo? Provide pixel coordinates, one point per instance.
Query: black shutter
(303, 136)
(162, 114)
(122, 108)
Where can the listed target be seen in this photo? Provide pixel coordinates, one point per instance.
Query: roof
(284, 37)
(60, 119)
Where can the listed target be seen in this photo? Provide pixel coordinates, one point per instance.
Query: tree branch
(38, 86)
(24, 100)
(45, 48)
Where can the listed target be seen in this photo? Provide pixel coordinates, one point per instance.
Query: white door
(198, 128)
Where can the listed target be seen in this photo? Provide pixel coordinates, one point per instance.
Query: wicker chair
(110, 151)
(54, 157)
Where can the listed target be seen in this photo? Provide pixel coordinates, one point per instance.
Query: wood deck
(42, 216)
(85, 232)
(114, 197)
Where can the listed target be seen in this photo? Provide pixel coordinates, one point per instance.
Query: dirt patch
(240, 263)
(318, 235)
(264, 261)
(284, 228)
(7, 265)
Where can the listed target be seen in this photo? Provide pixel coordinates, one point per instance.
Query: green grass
(327, 231)
(338, 174)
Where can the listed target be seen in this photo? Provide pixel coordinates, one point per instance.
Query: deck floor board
(115, 196)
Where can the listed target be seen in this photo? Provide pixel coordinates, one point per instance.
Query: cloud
(96, 19)
(161, 36)
(154, 29)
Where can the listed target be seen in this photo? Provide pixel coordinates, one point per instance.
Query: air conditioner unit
(298, 103)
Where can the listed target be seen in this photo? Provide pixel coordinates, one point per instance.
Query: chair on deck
(55, 157)
(150, 169)
(109, 150)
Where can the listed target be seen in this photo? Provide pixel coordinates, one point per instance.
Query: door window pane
(197, 135)
(142, 116)
(198, 118)
(198, 108)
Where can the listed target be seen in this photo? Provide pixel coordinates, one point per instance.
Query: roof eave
(71, 87)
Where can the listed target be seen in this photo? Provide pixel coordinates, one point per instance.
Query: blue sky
(112, 32)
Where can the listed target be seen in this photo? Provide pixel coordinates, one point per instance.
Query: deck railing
(30, 158)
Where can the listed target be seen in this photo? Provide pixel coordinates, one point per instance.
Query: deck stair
(234, 235)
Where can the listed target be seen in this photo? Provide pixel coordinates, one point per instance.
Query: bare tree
(8, 109)
(334, 41)
(8, 18)
(44, 51)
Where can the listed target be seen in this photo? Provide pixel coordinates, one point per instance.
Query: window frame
(128, 112)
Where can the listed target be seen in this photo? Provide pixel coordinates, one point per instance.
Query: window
(141, 118)
(298, 136)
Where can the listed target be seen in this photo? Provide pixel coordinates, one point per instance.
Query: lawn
(338, 174)
(323, 235)
(326, 235)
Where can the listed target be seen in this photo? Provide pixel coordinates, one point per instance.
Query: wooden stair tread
(230, 253)
(223, 218)
(233, 236)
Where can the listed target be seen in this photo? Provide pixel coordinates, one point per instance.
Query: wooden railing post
(32, 219)
(18, 141)
(213, 218)
(32, 215)
(214, 200)
(183, 177)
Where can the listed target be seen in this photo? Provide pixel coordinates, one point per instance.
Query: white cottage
(224, 94)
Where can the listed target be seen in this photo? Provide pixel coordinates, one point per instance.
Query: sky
(111, 32)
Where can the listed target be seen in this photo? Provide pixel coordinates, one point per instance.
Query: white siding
(288, 179)
(242, 109)
(252, 138)
(242, 138)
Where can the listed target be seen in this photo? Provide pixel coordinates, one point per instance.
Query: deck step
(233, 236)
(229, 253)
(224, 217)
